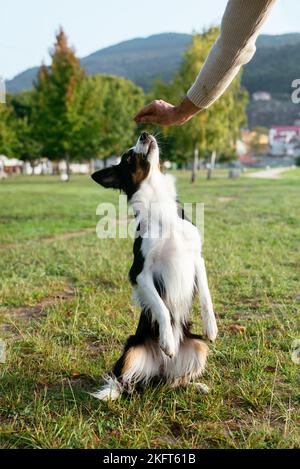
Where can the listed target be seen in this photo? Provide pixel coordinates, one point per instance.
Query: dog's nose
(144, 137)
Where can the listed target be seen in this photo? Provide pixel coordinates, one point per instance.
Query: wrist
(185, 110)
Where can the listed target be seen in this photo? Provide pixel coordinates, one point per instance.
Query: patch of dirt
(33, 312)
(104, 283)
(7, 328)
(50, 239)
(223, 200)
(81, 378)
(70, 235)
(97, 348)
(249, 315)
(164, 441)
(272, 173)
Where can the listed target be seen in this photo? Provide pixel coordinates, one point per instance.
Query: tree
(121, 101)
(79, 117)
(214, 129)
(8, 135)
(28, 148)
(57, 93)
(107, 104)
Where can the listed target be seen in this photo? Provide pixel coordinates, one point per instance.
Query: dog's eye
(128, 159)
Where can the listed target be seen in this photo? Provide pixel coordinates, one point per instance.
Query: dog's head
(136, 165)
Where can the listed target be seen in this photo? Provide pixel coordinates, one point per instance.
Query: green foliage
(82, 116)
(74, 116)
(214, 129)
(9, 143)
(102, 115)
(16, 130)
(56, 94)
(298, 161)
(28, 147)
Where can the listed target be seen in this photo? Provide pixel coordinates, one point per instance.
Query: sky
(27, 28)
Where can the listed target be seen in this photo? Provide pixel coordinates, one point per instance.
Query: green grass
(66, 312)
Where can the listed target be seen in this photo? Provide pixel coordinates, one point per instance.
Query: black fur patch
(146, 330)
(181, 213)
(126, 176)
(138, 259)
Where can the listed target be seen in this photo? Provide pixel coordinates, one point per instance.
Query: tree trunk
(195, 165)
(32, 167)
(42, 165)
(68, 165)
(212, 165)
(92, 166)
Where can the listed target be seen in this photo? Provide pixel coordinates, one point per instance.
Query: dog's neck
(155, 200)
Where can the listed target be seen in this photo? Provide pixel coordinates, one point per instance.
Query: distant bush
(298, 161)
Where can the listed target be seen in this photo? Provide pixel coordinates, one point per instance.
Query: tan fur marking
(141, 174)
(200, 347)
(131, 357)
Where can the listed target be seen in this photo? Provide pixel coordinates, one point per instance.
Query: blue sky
(27, 27)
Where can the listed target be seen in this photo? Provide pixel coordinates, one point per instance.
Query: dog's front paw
(167, 343)
(210, 329)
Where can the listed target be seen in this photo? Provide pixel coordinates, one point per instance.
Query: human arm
(234, 47)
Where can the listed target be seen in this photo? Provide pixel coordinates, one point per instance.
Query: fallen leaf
(237, 329)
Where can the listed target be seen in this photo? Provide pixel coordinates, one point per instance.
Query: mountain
(273, 40)
(273, 68)
(141, 60)
(275, 64)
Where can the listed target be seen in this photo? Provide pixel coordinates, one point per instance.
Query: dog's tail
(110, 391)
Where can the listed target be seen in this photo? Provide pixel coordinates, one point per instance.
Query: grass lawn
(65, 313)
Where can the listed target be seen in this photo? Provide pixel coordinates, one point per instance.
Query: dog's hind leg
(190, 362)
(210, 327)
(139, 363)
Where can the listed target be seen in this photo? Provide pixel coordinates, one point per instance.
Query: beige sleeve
(234, 47)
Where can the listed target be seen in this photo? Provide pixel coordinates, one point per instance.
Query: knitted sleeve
(234, 47)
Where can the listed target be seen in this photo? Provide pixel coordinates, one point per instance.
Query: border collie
(167, 271)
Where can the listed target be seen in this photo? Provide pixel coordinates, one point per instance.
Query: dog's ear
(108, 178)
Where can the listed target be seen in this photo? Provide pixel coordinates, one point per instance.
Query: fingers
(146, 112)
(146, 119)
(158, 112)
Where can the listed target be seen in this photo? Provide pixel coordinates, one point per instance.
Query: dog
(167, 271)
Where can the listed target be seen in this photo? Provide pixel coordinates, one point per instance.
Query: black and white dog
(167, 271)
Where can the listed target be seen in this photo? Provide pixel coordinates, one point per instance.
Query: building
(261, 96)
(10, 166)
(252, 145)
(285, 140)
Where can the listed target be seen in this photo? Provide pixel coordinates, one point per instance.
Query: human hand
(165, 114)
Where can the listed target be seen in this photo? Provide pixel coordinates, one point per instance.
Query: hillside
(273, 68)
(141, 60)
